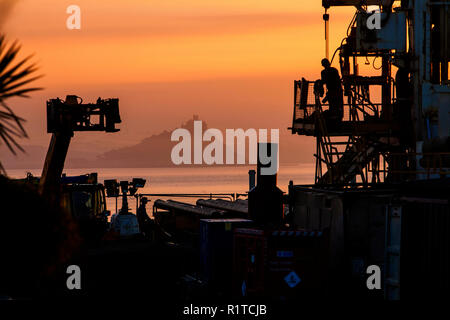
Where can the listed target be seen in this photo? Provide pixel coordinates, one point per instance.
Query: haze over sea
(223, 179)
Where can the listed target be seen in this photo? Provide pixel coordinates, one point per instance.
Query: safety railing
(411, 166)
(305, 106)
(427, 165)
(398, 168)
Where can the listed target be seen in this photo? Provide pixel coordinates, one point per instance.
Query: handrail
(305, 105)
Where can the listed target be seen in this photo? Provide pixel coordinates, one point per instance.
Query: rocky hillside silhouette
(155, 151)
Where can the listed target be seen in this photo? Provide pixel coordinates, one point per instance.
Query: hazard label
(292, 279)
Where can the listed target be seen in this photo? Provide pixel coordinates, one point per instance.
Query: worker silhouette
(146, 225)
(334, 95)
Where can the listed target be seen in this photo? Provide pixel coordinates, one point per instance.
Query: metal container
(420, 264)
(216, 251)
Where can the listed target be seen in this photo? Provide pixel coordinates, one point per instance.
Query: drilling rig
(383, 165)
(402, 133)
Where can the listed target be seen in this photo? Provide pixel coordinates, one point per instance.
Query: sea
(183, 180)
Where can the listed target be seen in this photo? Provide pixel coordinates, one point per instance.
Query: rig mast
(402, 133)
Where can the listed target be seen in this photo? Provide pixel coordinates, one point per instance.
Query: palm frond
(14, 77)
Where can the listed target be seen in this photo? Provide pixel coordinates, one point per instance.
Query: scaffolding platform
(345, 128)
(358, 119)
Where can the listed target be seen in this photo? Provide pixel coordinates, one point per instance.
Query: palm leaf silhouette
(15, 75)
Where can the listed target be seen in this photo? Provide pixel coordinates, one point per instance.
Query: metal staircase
(352, 162)
(349, 151)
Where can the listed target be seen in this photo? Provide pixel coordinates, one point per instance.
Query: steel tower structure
(396, 124)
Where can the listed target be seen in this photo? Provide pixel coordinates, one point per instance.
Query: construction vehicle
(81, 196)
(63, 119)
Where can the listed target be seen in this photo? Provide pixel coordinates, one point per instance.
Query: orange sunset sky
(232, 62)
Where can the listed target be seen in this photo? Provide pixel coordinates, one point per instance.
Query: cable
(352, 22)
(373, 64)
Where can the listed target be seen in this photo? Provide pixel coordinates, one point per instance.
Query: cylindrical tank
(265, 201)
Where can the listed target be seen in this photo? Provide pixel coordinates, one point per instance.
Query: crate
(282, 263)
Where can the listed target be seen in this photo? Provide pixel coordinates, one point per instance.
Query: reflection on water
(226, 179)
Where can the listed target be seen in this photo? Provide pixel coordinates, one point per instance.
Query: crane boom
(65, 117)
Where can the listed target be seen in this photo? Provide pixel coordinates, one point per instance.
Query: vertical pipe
(326, 18)
(251, 179)
(266, 180)
(444, 27)
(386, 88)
(137, 204)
